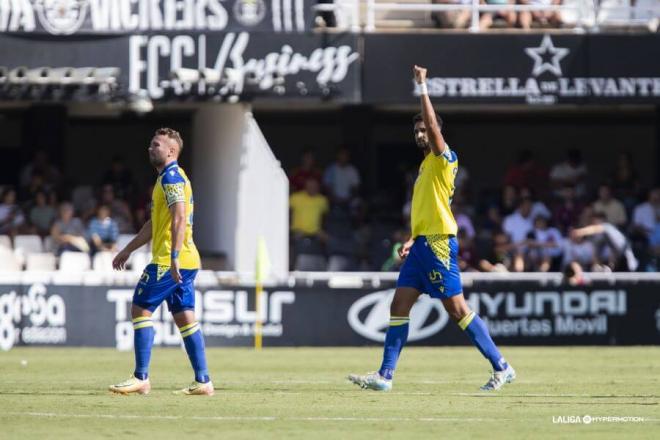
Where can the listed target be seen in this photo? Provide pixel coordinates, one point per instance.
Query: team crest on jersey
(62, 17)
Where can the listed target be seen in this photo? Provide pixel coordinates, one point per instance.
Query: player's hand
(174, 270)
(119, 262)
(420, 74)
(404, 250)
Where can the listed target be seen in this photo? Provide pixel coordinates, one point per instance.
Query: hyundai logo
(370, 316)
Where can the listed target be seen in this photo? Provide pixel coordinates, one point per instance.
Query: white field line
(486, 394)
(253, 418)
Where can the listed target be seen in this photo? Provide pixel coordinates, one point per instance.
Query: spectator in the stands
(306, 170)
(492, 221)
(103, 231)
(68, 232)
(308, 209)
(520, 223)
(11, 216)
(120, 177)
(119, 209)
(545, 18)
(572, 172)
(502, 257)
(527, 173)
(567, 212)
(612, 208)
(576, 249)
(645, 215)
(40, 165)
(506, 16)
(612, 246)
(342, 179)
(455, 19)
(545, 247)
(625, 182)
(42, 214)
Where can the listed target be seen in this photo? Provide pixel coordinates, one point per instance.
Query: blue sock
(478, 333)
(397, 335)
(194, 342)
(143, 340)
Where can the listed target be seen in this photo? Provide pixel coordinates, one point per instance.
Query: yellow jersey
(434, 188)
(172, 186)
(307, 212)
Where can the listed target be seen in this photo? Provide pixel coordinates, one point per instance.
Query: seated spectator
(488, 18)
(540, 18)
(519, 224)
(119, 209)
(625, 182)
(42, 214)
(567, 212)
(545, 247)
(493, 220)
(455, 19)
(646, 214)
(11, 216)
(41, 165)
(341, 178)
(308, 209)
(578, 250)
(68, 232)
(306, 170)
(612, 208)
(503, 255)
(571, 172)
(611, 244)
(103, 231)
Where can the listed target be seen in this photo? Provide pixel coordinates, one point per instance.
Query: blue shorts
(432, 267)
(152, 290)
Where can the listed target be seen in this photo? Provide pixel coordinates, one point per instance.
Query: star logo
(547, 57)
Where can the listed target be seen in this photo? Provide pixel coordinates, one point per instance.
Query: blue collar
(169, 166)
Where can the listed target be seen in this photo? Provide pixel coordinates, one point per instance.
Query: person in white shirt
(545, 246)
(341, 178)
(519, 224)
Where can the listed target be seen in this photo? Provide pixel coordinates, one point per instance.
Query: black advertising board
(516, 314)
(535, 69)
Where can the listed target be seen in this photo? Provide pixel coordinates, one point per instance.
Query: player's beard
(422, 144)
(156, 161)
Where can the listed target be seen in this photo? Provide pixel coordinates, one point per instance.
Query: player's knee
(458, 312)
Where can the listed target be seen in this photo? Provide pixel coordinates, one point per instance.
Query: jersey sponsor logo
(369, 316)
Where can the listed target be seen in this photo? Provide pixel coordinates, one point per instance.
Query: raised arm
(436, 141)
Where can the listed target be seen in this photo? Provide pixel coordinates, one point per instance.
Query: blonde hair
(172, 134)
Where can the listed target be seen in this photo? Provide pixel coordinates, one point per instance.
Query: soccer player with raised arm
(171, 274)
(431, 264)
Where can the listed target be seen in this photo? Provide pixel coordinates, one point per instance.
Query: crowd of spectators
(543, 219)
(70, 218)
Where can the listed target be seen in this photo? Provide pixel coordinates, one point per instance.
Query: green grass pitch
(302, 394)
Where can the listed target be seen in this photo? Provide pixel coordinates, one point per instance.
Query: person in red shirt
(306, 171)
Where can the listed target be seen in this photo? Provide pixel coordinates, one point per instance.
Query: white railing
(588, 14)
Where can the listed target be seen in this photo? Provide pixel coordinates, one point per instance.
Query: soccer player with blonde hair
(171, 274)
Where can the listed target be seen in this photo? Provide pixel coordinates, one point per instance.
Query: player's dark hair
(172, 134)
(419, 118)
